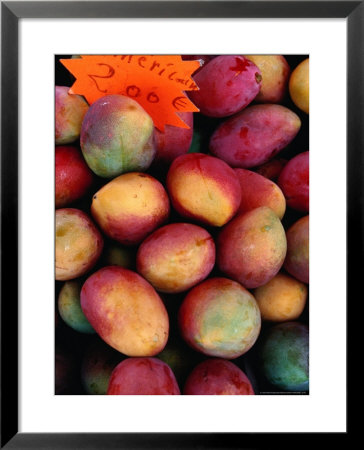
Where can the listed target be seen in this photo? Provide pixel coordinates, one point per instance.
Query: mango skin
(297, 259)
(284, 356)
(217, 377)
(294, 182)
(130, 207)
(70, 110)
(69, 307)
(203, 188)
(219, 318)
(125, 311)
(73, 178)
(255, 135)
(174, 141)
(176, 257)
(283, 298)
(299, 86)
(275, 73)
(272, 169)
(143, 376)
(117, 137)
(251, 248)
(78, 243)
(257, 191)
(227, 84)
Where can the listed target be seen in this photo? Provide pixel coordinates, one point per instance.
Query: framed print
(42, 44)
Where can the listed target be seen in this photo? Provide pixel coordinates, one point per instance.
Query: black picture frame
(11, 13)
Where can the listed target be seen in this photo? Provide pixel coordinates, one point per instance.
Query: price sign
(157, 82)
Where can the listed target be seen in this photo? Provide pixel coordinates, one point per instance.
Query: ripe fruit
(78, 243)
(130, 207)
(252, 247)
(299, 86)
(282, 298)
(227, 84)
(255, 135)
(176, 257)
(275, 74)
(219, 317)
(294, 182)
(69, 114)
(142, 376)
(174, 141)
(203, 188)
(73, 177)
(257, 191)
(217, 377)
(297, 259)
(117, 136)
(125, 311)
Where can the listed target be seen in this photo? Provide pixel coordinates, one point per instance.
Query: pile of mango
(182, 256)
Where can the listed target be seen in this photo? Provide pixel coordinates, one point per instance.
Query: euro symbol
(179, 102)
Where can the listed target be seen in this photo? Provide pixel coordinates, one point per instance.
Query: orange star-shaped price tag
(156, 82)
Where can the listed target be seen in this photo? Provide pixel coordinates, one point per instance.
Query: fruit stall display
(182, 254)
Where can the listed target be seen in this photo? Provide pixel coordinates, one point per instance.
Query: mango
(73, 177)
(130, 207)
(203, 188)
(257, 191)
(275, 73)
(217, 377)
(297, 259)
(173, 141)
(70, 110)
(143, 376)
(283, 298)
(272, 168)
(227, 84)
(284, 356)
(78, 243)
(125, 311)
(294, 182)
(117, 137)
(252, 247)
(69, 307)
(220, 318)
(176, 257)
(255, 135)
(299, 86)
